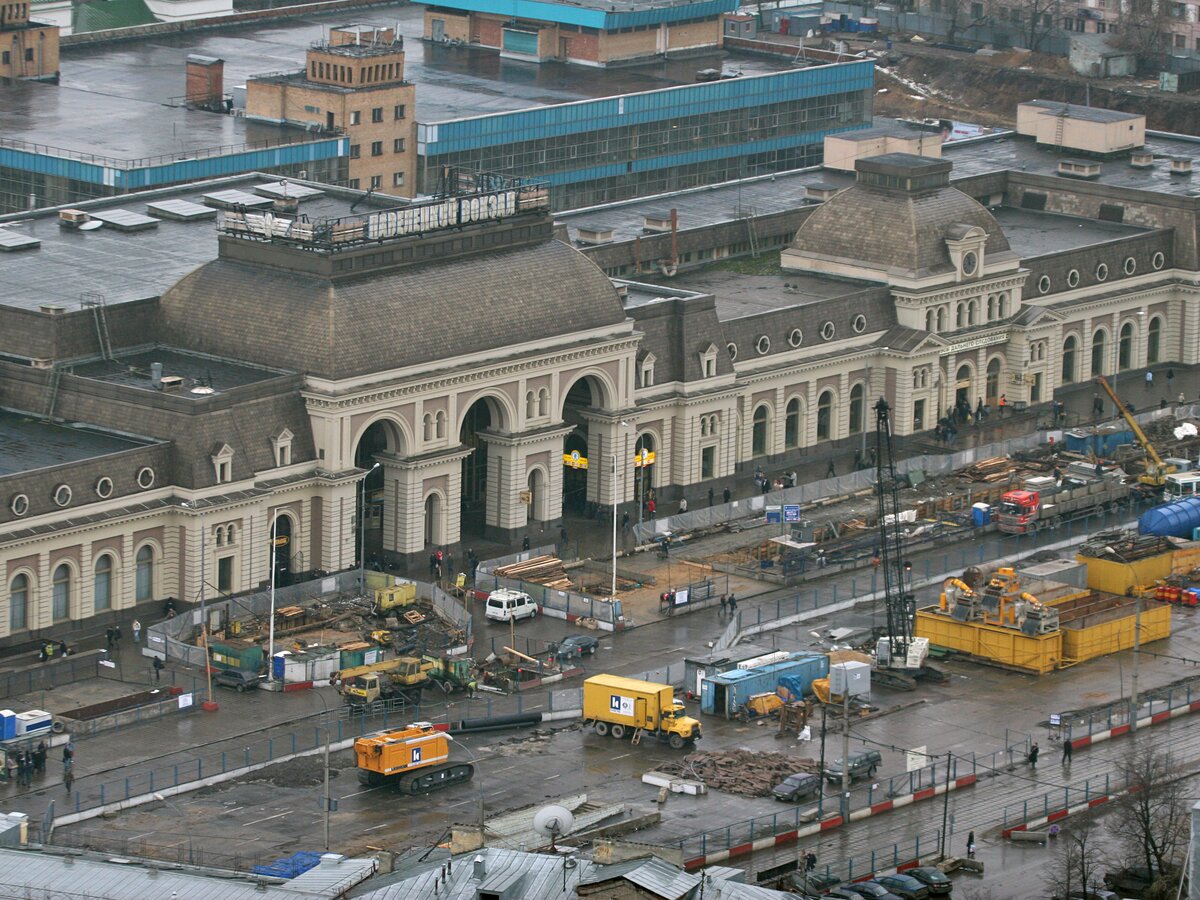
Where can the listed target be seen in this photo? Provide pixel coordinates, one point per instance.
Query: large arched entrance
(585, 394)
(479, 419)
(380, 438)
(434, 524)
(962, 387)
(535, 508)
(643, 470)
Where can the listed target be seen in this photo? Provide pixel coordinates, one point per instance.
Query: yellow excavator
(1157, 471)
(403, 677)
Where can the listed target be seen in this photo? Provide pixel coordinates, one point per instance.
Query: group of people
(728, 604)
(22, 765)
(765, 485)
(441, 563)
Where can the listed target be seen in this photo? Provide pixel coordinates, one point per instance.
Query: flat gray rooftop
(1023, 155)
(27, 444)
(750, 295)
(205, 374)
(127, 266)
(452, 82)
(1032, 234)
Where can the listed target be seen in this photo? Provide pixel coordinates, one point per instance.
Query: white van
(503, 605)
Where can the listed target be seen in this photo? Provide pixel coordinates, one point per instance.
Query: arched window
(544, 402)
(931, 320)
(1099, 348)
(791, 424)
(1125, 347)
(145, 574)
(61, 607)
(972, 312)
(1153, 340)
(102, 583)
(439, 424)
(18, 603)
(1070, 362)
(992, 387)
(530, 405)
(758, 437)
(824, 416)
(941, 318)
(856, 409)
(427, 426)
(960, 315)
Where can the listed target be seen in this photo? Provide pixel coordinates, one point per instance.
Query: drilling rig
(900, 657)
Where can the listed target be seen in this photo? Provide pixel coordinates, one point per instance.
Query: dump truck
(403, 677)
(1040, 504)
(415, 760)
(623, 707)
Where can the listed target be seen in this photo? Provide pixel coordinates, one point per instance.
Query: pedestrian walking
(39, 758)
(26, 768)
(158, 667)
(1170, 378)
(449, 561)
(732, 604)
(68, 779)
(10, 768)
(1003, 404)
(683, 504)
(471, 688)
(1149, 380)
(650, 509)
(1033, 755)
(724, 603)
(562, 537)
(109, 636)
(810, 861)
(971, 845)
(625, 521)
(117, 637)
(831, 470)
(1097, 406)
(525, 543)
(1182, 399)
(711, 496)
(1067, 750)
(68, 754)
(726, 495)
(137, 631)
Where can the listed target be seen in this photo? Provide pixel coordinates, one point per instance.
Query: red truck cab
(1018, 511)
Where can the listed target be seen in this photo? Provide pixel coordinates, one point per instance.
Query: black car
(577, 646)
(872, 890)
(797, 787)
(238, 679)
(904, 886)
(933, 878)
(814, 882)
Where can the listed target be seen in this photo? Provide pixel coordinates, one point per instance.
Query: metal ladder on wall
(95, 302)
(1059, 127)
(55, 378)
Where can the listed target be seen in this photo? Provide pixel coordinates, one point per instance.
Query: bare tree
(1033, 20)
(1152, 819)
(1145, 28)
(1077, 859)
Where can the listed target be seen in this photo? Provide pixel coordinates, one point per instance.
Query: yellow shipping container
(1040, 653)
(1116, 634)
(1185, 558)
(1119, 578)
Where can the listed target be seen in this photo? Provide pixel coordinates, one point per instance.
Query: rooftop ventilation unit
(1141, 159)
(1087, 169)
(596, 234)
(821, 192)
(1181, 165)
(657, 222)
(171, 382)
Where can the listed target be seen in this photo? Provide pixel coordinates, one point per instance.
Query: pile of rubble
(744, 772)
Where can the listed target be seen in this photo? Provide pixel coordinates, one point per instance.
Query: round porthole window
(104, 488)
(828, 331)
(796, 337)
(731, 348)
(763, 344)
(145, 477)
(1101, 272)
(1130, 265)
(19, 505)
(860, 324)
(62, 495)
(1158, 261)
(1044, 284)
(970, 262)
(1073, 278)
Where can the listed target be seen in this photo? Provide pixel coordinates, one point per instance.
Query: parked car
(904, 886)
(933, 878)
(814, 882)
(863, 764)
(577, 646)
(238, 679)
(504, 605)
(797, 787)
(872, 890)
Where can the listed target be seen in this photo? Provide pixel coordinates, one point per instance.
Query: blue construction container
(1179, 519)
(8, 724)
(290, 866)
(725, 694)
(1099, 443)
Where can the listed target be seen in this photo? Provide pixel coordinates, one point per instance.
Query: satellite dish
(553, 822)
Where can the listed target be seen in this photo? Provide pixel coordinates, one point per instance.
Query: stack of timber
(547, 570)
(744, 772)
(989, 471)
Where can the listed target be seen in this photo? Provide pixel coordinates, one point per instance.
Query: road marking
(676, 649)
(357, 793)
(539, 706)
(228, 811)
(267, 819)
(551, 777)
(138, 837)
(622, 756)
(448, 806)
(377, 827)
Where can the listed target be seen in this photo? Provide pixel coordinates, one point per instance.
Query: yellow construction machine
(414, 759)
(403, 677)
(1157, 470)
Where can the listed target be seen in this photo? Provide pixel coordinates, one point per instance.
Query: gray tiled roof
(397, 318)
(886, 229)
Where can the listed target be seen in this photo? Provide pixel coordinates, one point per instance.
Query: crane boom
(897, 599)
(1160, 469)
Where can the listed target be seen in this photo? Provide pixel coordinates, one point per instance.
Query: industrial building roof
(27, 443)
(546, 877)
(27, 872)
(1084, 113)
(606, 14)
(202, 375)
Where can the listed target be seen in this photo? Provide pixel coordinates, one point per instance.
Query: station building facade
(452, 369)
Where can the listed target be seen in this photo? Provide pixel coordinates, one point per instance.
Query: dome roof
(338, 328)
(896, 218)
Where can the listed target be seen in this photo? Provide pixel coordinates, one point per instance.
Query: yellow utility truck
(415, 760)
(403, 677)
(626, 706)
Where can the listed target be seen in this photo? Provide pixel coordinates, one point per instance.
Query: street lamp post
(179, 812)
(272, 535)
(474, 760)
(615, 498)
(362, 531)
(208, 704)
(325, 799)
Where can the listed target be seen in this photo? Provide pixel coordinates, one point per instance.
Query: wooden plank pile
(989, 471)
(744, 772)
(547, 570)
